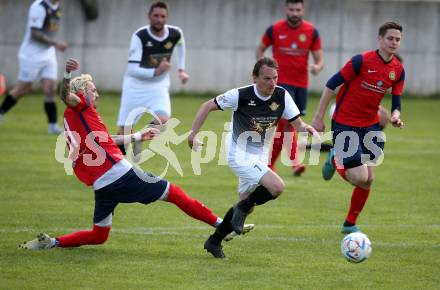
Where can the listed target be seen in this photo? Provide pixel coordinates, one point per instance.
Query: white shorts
(32, 70)
(155, 101)
(249, 168)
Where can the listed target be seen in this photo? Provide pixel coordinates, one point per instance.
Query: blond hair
(80, 83)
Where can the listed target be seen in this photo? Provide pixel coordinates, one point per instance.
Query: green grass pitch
(295, 244)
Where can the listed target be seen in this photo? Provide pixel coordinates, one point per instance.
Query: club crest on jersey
(168, 45)
(302, 37)
(149, 44)
(274, 106)
(252, 103)
(392, 75)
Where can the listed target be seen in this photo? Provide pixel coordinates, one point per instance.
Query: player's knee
(369, 181)
(277, 188)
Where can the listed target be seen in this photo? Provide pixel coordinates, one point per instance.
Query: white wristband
(67, 75)
(137, 136)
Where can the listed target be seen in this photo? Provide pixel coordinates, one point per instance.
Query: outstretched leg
(191, 206)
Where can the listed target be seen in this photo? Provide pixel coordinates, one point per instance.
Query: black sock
(348, 224)
(122, 148)
(51, 111)
(7, 104)
(260, 196)
(223, 229)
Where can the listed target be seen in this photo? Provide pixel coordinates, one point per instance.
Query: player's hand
(314, 69)
(318, 124)
(312, 132)
(61, 46)
(396, 122)
(149, 133)
(194, 143)
(183, 76)
(72, 65)
(164, 66)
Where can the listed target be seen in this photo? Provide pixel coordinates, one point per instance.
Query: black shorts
(356, 146)
(134, 186)
(299, 96)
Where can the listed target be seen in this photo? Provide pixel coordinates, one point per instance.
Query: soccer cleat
(215, 250)
(54, 129)
(238, 219)
(349, 229)
(298, 170)
(42, 242)
(246, 229)
(328, 169)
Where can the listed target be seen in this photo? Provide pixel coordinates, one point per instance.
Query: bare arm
(318, 120)
(318, 59)
(201, 116)
(39, 35)
(300, 126)
(259, 52)
(142, 135)
(68, 98)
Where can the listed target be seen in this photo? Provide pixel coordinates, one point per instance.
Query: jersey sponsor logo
(370, 71)
(294, 45)
(392, 75)
(377, 88)
(274, 106)
(252, 103)
(282, 36)
(168, 45)
(302, 37)
(261, 124)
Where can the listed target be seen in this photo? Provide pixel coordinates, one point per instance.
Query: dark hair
(158, 4)
(267, 61)
(294, 1)
(389, 25)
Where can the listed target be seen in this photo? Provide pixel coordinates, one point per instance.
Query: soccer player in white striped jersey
(147, 79)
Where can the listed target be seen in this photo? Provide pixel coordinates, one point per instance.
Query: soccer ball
(356, 247)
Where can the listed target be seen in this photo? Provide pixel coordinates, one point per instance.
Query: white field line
(181, 231)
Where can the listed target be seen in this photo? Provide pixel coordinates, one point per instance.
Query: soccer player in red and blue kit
(98, 162)
(292, 39)
(357, 139)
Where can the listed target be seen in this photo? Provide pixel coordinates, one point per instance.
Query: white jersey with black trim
(255, 117)
(146, 52)
(43, 15)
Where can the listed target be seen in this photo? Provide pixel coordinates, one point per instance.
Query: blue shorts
(132, 187)
(299, 96)
(356, 146)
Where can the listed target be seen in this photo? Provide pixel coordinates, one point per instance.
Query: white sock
(218, 222)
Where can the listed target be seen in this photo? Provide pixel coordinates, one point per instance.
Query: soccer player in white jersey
(38, 60)
(147, 80)
(256, 110)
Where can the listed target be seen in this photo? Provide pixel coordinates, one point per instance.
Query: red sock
(340, 169)
(191, 206)
(98, 235)
(358, 199)
(277, 143)
(294, 148)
